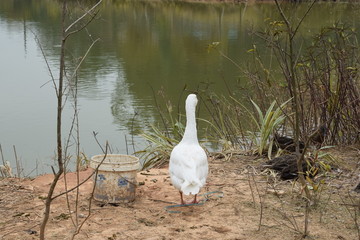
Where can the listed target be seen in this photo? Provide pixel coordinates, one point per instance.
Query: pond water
(146, 49)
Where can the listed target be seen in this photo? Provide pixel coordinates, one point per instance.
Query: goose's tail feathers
(192, 187)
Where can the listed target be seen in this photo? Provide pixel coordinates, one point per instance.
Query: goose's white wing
(188, 168)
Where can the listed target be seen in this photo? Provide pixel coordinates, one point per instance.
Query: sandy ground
(246, 203)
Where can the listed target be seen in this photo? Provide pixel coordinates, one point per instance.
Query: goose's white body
(188, 161)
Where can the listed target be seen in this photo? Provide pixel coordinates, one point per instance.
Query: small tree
(60, 86)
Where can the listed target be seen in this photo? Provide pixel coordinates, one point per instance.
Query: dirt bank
(246, 204)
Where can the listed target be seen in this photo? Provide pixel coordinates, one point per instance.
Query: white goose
(188, 161)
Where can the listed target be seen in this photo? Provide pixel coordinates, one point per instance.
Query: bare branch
(92, 192)
(83, 16)
(304, 16)
(47, 63)
(83, 58)
(283, 15)
(85, 180)
(83, 26)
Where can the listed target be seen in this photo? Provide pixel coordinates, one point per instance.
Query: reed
(160, 145)
(267, 125)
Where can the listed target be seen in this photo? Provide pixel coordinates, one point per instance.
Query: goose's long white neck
(190, 134)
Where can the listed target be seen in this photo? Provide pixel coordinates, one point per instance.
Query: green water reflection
(145, 46)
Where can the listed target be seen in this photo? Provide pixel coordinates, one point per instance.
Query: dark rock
(320, 135)
(287, 143)
(286, 165)
(31, 232)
